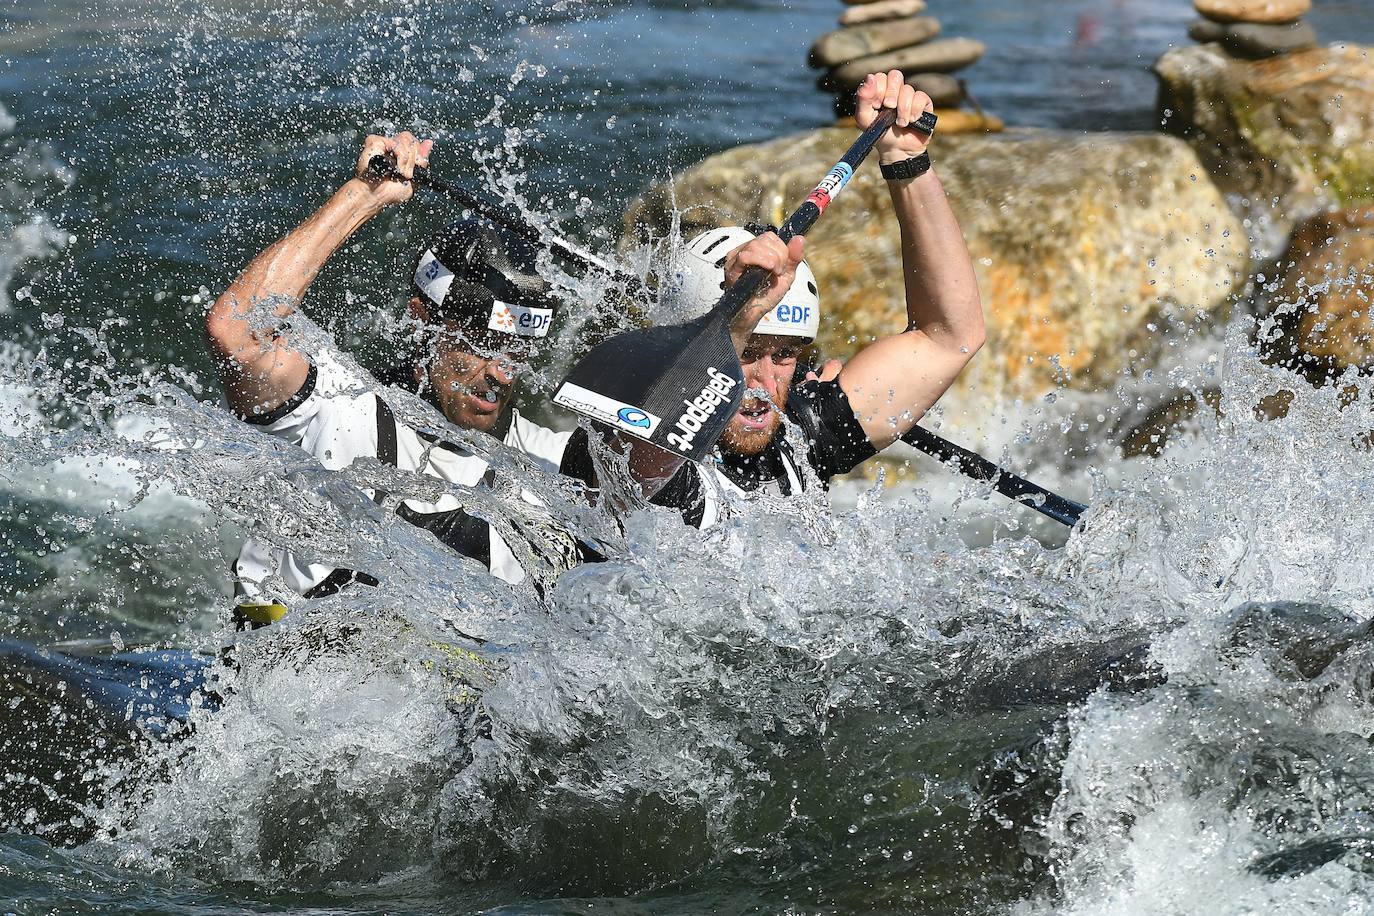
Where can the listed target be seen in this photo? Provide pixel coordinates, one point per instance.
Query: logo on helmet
(520, 320)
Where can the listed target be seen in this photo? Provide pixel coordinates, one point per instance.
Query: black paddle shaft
(971, 464)
(383, 166)
(804, 217)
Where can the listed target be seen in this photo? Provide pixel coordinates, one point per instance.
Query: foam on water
(31, 172)
(689, 716)
(893, 705)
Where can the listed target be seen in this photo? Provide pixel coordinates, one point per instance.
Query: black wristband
(914, 167)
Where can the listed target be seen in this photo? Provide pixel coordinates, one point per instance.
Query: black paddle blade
(676, 387)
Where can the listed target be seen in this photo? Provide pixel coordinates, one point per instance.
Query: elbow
(974, 338)
(216, 319)
(968, 339)
(224, 327)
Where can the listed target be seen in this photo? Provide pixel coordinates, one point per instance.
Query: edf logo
(434, 269)
(793, 314)
(535, 321)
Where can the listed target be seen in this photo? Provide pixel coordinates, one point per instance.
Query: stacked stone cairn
(880, 35)
(1254, 29)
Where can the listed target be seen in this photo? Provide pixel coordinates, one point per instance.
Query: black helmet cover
(483, 279)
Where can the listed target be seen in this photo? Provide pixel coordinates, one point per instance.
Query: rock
(1149, 436)
(1289, 135)
(943, 56)
(952, 121)
(881, 9)
(843, 45)
(1323, 301)
(956, 121)
(1271, 12)
(943, 89)
(1205, 30)
(1079, 242)
(1256, 41)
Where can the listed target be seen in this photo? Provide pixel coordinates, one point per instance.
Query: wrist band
(914, 167)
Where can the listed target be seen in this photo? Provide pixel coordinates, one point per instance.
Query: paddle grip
(973, 465)
(804, 217)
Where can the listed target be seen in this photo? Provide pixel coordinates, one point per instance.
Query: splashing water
(902, 704)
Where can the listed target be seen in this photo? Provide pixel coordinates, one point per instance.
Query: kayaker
(480, 310)
(845, 415)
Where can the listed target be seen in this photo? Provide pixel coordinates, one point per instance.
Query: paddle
(383, 166)
(974, 465)
(968, 463)
(678, 386)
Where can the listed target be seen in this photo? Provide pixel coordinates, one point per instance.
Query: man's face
(472, 390)
(769, 362)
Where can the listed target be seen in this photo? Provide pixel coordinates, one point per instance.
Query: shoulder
(837, 439)
(539, 442)
(333, 415)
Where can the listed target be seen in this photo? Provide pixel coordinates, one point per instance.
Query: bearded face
(769, 363)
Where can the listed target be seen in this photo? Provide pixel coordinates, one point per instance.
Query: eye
(786, 355)
(750, 355)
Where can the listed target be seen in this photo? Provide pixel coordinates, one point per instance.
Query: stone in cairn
(860, 41)
(881, 10)
(1254, 29)
(879, 35)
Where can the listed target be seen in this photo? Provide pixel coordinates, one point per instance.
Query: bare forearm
(283, 272)
(942, 298)
(258, 366)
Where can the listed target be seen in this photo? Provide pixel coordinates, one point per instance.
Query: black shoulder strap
(386, 433)
(803, 411)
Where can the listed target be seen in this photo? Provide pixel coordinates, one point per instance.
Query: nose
(500, 371)
(759, 374)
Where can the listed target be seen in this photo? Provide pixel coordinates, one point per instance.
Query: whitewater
(910, 698)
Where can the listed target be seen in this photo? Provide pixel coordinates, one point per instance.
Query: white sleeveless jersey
(338, 419)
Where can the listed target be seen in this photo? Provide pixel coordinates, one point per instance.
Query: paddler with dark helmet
(482, 310)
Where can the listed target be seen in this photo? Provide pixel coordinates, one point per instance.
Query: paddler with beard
(481, 310)
(845, 415)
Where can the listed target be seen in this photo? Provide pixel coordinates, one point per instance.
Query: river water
(891, 706)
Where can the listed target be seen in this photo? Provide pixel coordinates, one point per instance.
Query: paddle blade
(676, 387)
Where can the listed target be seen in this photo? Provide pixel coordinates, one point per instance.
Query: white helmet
(696, 278)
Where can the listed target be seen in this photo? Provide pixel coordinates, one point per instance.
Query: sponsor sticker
(520, 320)
(433, 278)
(624, 416)
(698, 411)
(831, 185)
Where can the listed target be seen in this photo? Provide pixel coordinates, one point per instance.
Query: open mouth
(486, 399)
(755, 413)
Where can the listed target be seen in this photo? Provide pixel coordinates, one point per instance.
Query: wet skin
(471, 390)
(769, 362)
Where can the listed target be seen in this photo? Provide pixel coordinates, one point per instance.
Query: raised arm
(257, 364)
(892, 382)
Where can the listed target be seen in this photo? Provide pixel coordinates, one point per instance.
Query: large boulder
(1084, 245)
(1289, 135)
(1321, 305)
